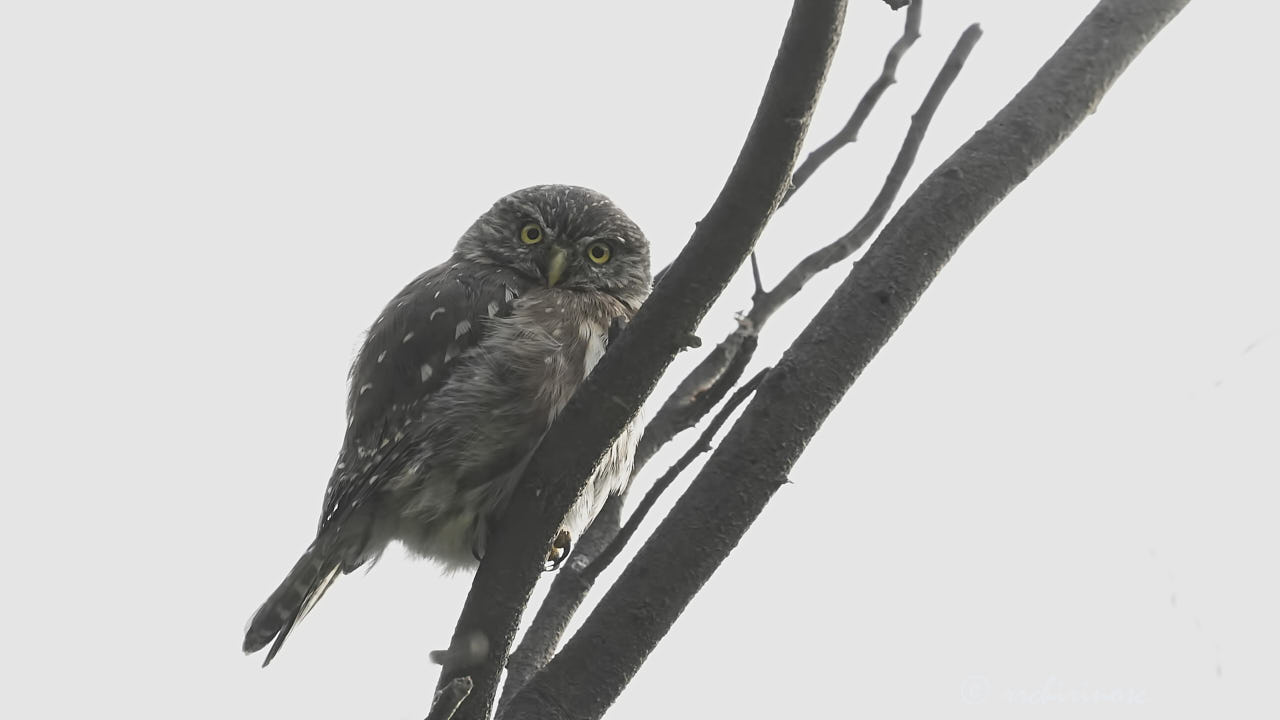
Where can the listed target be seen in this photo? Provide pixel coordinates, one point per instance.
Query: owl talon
(560, 548)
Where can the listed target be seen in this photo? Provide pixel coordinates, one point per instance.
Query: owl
(457, 382)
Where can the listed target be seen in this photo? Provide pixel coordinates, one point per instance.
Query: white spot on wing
(382, 356)
(463, 328)
(493, 308)
(451, 352)
(366, 388)
(434, 313)
(408, 336)
(426, 371)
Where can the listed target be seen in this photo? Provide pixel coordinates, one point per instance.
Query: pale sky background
(1061, 474)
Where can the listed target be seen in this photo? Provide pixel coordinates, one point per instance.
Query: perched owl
(458, 380)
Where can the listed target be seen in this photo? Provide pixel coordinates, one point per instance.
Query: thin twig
(768, 303)
(650, 498)
(712, 378)
(755, 275)
(849, 133)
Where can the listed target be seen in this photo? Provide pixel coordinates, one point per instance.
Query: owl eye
(599, 253)
(531, 234)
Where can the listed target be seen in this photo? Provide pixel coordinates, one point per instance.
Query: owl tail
(302, 588)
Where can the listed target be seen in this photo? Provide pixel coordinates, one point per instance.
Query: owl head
(566, 237)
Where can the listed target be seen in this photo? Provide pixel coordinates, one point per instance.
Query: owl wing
(410, 352)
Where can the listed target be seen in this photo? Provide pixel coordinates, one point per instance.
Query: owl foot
(559, 550)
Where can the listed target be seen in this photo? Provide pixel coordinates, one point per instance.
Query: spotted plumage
(458, 380)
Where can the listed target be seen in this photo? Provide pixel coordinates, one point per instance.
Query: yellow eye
(531, 234)
(599, 253)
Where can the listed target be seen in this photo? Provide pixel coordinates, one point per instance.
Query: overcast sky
(1058, 479)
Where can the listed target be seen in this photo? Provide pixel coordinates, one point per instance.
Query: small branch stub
(449, 697)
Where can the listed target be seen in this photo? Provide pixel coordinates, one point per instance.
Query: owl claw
(560, 548)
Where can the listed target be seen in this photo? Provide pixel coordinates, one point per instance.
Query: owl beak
(556, 263)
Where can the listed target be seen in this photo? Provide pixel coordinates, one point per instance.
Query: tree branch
(707, 384)
(603, 543)
(568, 590)
(700, 391)
(601, 563)
(845, 136)
(758, 452)
(849, 133)
(768, 303)
(612, 394)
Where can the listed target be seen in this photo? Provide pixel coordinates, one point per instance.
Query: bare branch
(696, 395)
(592, 573)
(567, 591)
(755, 275)
(849, 133)
(712, 378)
(766, 305)
(599, 547)
(753, 460)
(700, 391)
(448, 698)
(610, 397)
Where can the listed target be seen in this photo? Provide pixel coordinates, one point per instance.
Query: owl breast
(553, 339)
(507, 392)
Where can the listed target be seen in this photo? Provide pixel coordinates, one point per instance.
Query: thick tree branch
(567, 591)
(755, 457)
(613, 393)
